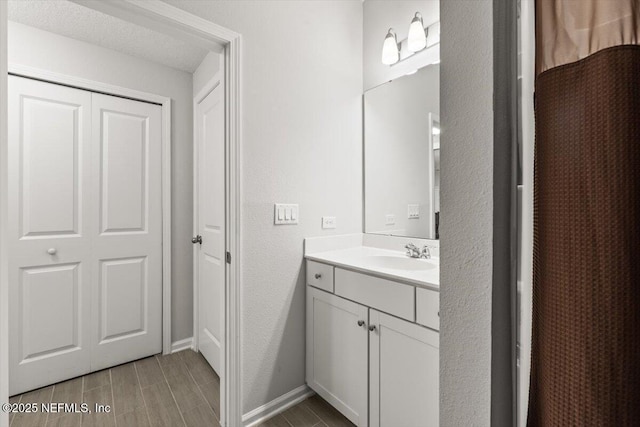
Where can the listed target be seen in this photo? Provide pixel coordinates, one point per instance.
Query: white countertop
(369, 260)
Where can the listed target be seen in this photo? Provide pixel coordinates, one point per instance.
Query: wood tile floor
(313, 412)
(179, 389)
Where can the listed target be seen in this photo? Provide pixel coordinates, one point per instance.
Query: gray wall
(302, 129)
(48, 51)
(466, 244)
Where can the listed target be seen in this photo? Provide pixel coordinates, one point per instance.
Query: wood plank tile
(327, 413)
(200, 416)
(149, 371)
(39, 418)
(127, 396)
(102, 396)
(158, 395)
(301, 416)
(211, 392)
(185, 391)
(161, 407)
(172, 364)
(96, 380)
(124, 373)
(199, 367)
(64, 420)
(277, 421)
(136, 418)
(12, 400)
(161, 416)
(66, 392)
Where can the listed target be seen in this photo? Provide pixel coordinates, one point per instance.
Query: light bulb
(417, 39)
(390, 52)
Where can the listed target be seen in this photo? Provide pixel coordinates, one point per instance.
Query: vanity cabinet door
(337, 361)
(404, 373)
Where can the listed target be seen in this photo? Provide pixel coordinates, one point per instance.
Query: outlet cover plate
(328, 222)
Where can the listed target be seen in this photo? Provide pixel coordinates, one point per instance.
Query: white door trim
(170, 20)
(4, 278)
(165, 102)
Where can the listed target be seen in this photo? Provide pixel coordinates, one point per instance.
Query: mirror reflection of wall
(401, 155)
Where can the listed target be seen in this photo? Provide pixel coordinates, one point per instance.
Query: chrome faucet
(414, 252)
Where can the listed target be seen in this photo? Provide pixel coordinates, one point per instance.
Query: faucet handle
(412, 250)
(425, 252)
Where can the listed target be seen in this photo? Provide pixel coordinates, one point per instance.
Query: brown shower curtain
(586, 291)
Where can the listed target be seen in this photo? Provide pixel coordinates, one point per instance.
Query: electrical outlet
(328, 222)
(390, 219)
(285, 214)
(413, 211)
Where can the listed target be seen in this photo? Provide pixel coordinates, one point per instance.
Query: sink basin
(398, 263)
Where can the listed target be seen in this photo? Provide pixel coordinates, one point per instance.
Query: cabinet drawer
(320, 276)
(384, 295)
(428, 308)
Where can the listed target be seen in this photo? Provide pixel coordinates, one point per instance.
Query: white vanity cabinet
(403, 373)
(337, 352)
(375, 367)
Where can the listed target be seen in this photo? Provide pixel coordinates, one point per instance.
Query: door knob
(197, 239)
(372, 328)
(52, 251)
(360, 322)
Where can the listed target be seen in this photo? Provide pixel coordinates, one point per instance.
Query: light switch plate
(328, 222)
(390, 219)
(285, 214)
(413, 211)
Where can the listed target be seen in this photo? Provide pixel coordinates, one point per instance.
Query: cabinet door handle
(360, 322)
(372, 328)
(318, 276)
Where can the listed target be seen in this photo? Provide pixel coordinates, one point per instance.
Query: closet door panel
(49, 233)
(127, 244)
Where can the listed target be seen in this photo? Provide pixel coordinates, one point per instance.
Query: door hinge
(228, 257)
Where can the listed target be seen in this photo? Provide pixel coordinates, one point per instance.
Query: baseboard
(184, 344)
(276, 406)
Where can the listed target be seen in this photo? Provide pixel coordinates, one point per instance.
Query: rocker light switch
(285, 214)
(413, 211)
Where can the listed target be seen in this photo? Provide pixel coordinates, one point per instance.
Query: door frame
(165, 104)
(209, 87)
(168, 19)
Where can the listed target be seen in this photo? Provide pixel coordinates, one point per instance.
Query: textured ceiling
(81, 23)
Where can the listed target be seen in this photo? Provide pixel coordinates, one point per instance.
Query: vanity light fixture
(390, 49)
(417, 39)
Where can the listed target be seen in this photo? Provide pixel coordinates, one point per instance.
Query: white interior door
(404, 366)
(210, 226)
(127, 241)
(49, 233)
(85, 222)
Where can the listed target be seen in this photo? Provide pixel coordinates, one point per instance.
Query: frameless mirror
(402, 156)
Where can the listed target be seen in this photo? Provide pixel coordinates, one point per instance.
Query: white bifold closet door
(85, 232)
